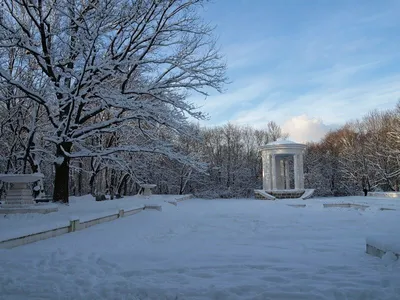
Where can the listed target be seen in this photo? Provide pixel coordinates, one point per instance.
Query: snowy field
(214, 249)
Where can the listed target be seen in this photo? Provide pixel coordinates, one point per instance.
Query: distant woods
(220, 161)
(362, 154)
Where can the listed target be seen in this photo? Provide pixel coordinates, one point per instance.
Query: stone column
(273, 175)
(279, 179)
(287, 177)
(296, 172)
(301, 171)
(266, 159)
(281, 185)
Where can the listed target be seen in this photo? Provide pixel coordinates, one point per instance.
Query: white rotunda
(277, 170)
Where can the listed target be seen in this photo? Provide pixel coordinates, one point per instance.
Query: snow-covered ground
(214, 249)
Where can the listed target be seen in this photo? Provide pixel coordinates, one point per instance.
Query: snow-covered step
(261, 194)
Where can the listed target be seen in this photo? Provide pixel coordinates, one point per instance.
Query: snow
(59, 160)
(213, 249)
(21, 178)
(389, 257)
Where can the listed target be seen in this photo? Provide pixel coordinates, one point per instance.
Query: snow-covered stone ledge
(346, 205)
(297, 205)
(184, 198)
(384, 245)
(75, 224)
(153, 206)
(46, 231)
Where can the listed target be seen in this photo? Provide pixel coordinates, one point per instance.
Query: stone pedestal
(146, 189)
(20, 195)
(19, 199)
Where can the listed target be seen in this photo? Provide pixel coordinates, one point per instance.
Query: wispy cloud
(249, 54)
(238, 98)
(333, 104)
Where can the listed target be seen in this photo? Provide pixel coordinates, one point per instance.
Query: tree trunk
(80, 178)
(123, 184)
(95, 170)
(126, 188)
(61, 180)
(91, 183)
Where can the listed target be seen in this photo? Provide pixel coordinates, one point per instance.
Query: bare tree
(275, 132)
(233, 159)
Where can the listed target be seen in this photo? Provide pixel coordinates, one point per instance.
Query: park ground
(207, 249)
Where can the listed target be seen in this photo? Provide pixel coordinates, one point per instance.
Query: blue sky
(309, 65)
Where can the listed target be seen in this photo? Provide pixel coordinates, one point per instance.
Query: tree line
(218, 162)
(362, 154)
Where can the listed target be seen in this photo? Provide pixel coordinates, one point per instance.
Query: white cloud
(305, 129)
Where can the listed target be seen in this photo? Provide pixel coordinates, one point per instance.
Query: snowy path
(221, 249)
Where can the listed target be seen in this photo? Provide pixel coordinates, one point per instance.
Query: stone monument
(276, 158)
(19, 198)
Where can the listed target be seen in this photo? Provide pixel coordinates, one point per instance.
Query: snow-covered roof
(282, 142)
(284, 146)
